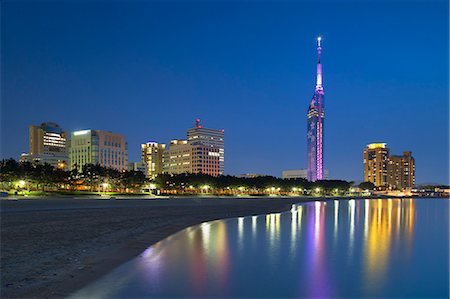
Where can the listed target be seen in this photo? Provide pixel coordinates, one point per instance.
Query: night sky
(148, 69)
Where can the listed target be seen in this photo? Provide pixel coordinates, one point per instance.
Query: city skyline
(255, 83)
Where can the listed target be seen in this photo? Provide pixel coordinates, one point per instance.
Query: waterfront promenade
(54, 246)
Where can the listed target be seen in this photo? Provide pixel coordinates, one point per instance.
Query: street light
(205, 187)
(104, 185)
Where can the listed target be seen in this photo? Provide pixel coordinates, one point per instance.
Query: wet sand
(52, 247)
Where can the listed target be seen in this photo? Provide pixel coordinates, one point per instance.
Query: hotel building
(376, 159)
(48, 144)
(98, 147)
(152, 154)
(401, 171)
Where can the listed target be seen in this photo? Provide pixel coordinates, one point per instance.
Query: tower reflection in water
(346, 248)
(373, 226)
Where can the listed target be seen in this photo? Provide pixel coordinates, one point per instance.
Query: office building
(48, 144)
(178, 158)
(98, 147)
(202, 152)
(315, 126)
(211, 148)
(300, 174)
(401, 171)
(376, 159)
(152, 154)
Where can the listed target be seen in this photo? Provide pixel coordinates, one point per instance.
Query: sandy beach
(51, 247)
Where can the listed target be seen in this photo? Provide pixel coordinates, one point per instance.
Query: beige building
(98, 147)
(202, 152)
(152, 154)
(401, 171)
(376, 159)
(210, 153)
(178, 158)
(48, 144)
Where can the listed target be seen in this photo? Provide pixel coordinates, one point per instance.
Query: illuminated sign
(83, 132)
(376, 145)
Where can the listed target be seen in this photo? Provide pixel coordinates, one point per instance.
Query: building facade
(152, 154)
(98, 147)
(401, 171)
(178, 158)
(376, 159)
(202, 152)
(300, 174)
(315, 126)
(210, 145)
(48, 144)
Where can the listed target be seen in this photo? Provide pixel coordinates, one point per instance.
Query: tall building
(152, 154)
(315, 126)
(48, 144)
(98, 147)
(202, 152)
(211, 143)
(178, 158)
(401, 171)
(376, 159)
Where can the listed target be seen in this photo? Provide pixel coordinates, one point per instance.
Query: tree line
(15, 175)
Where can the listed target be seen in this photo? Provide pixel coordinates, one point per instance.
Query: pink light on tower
(315, 125)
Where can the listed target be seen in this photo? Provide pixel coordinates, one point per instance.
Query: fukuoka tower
(315, 126)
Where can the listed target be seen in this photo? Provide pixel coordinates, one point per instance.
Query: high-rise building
(315, 126)
(48, 144)
(211, 148)
(202, 152)
(376, 159)
(178, 157)
(401, 171)
(98, 147)
(152, 154)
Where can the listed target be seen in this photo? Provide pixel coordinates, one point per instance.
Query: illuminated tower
(315, 126)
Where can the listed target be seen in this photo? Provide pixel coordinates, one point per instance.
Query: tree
(366, 186)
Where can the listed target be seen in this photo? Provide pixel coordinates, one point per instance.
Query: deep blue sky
(148, 69)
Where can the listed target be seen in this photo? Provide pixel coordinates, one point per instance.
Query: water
(357, 248)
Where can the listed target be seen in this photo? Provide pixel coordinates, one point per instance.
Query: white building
(299, 174)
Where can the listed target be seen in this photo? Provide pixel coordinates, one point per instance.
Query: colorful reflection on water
(356, 248)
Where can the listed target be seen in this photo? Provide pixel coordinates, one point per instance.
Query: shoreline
(61, 253)
(72, 254)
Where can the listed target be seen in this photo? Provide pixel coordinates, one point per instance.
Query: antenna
(197, 123)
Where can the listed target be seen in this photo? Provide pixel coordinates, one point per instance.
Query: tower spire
(319, 65)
